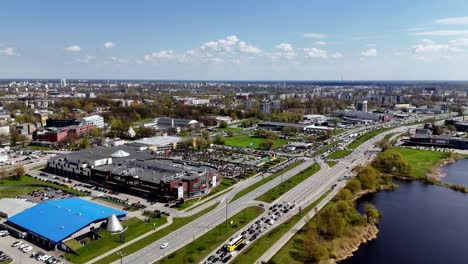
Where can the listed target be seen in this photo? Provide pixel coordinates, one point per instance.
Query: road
(304, 194)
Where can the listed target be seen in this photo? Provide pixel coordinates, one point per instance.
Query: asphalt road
(303, 195)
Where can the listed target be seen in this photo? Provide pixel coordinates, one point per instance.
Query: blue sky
(235, 40)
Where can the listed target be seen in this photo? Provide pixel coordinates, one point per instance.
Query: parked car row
(4, 257)
(4, 233)
(40, 256)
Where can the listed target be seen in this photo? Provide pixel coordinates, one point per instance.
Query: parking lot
(21, 257)
(225, 253)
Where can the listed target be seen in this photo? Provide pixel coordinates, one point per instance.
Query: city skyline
(297, 40)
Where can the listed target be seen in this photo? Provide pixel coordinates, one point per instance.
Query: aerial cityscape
(234, 132)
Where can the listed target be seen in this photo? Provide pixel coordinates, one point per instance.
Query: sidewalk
(115, 250)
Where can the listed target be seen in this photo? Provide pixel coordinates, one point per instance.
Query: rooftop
(59, 219)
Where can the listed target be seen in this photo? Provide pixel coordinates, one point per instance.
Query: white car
(233, 253)
(17, 243)
(44, 258)
(163, 246)
(23, 246)
(27, 249)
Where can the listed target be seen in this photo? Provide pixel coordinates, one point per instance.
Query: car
(215, 259)
(165, 245)
(233, 253)
(27, 249)
(17, 243)
(261, 205)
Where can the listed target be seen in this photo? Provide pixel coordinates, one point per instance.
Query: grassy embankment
(287, 185)
(263, 181)
(108, 241)
(176, 224)
(197, 250)
(36, 184)
(325, 148)
(339, 153)
(366, 136)
(331, 163)
(257, 248)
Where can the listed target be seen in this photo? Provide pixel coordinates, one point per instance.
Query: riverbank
(357, 236)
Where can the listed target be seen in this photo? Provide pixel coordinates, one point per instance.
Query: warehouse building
(50, 223)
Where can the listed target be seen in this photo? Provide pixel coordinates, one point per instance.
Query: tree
(201, 142)
(266, 144)
(330, 222)
(354, 185)
(223, 124)
(85, 143)
(372, 213)
(391, 161)
(345, 194)
(289, 131)
(383, 144)
(19, 171)
(219, 139)
(314, 250)
(368, 176)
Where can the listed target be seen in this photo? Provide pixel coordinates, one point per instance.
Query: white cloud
(443, 33)
(283, 50)
(73, 48)
(336, 55)
(109, 45)
(369, 53)
(430, 47)
(8, 51)
(244, 47)
(453, 21)
(459, 42)
(316, 53)
(314, 35)
(163, 54)
(320, 43)
(87, 59)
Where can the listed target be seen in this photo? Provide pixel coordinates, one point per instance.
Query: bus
(233, 244)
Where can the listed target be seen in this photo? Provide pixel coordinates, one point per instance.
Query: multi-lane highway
(303, 194)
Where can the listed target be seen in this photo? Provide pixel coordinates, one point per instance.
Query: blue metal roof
(59, 219)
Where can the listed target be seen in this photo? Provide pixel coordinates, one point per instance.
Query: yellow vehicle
(233, 244)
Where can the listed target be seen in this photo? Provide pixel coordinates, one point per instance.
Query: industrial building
(133, 168)
(50, 223)
(12, 206)
(437, 141)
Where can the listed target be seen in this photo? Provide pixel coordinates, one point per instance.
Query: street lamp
(122, 255)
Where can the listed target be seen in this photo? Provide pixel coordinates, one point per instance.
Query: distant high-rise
(362, 106)
(63, 83)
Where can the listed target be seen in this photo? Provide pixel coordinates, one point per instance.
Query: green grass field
(263, 181)
(231, 129)
(18, 191)
(420, 160)
(364, 137)
(176, 224)
(108, 241)
(197, 250)
(339, 153)
(325, 148)
(245, 140)
(261, 245)
(331, 163)
(292, 182)
(25, 180)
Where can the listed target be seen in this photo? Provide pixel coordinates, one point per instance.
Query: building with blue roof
(50, 223)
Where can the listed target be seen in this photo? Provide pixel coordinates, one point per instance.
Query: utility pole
(121, 254)
(226, 211)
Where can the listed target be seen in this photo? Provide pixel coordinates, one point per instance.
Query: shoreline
(363, 236)
(436, 173)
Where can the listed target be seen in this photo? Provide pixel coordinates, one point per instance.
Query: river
(421, 223)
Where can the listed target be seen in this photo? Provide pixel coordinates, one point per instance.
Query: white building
(63, 83)
(96, 120)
